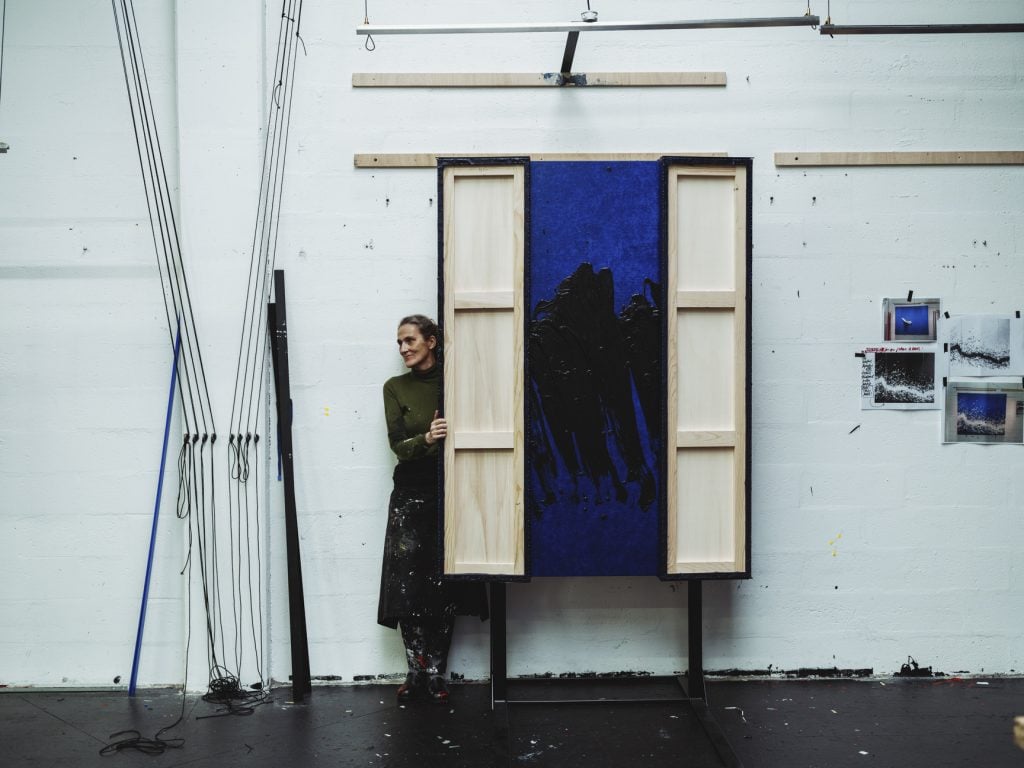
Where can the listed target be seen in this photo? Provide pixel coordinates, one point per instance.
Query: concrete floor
(769, 723)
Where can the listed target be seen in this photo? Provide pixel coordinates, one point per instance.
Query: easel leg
(499, 674)
(696, 691)
(695, 629)
(499, 661)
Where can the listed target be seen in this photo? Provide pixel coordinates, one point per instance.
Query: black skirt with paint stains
(410, 585)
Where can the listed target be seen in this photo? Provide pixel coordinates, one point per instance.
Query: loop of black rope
(136, 741)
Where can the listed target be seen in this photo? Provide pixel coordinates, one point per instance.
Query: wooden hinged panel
(707, 368)
(482, 262)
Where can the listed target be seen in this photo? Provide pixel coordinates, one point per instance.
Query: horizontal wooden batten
(483, 300)
(825, 159)
(717, 566)
(428, 160)
(496, 569)
(483, 441)
(705, 299)
(686, 438)
(537, 79)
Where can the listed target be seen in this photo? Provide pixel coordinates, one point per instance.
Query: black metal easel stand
(692, 685)
(277, 327)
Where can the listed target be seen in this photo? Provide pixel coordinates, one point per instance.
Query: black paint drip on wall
(584, 362)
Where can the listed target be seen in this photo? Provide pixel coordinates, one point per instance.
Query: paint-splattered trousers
(412, 591)
(427, 641)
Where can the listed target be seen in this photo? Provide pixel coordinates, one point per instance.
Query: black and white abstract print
(979, 346)
(897, 377)
(904, 377)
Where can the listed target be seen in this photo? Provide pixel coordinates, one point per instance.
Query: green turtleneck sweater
(410, 401)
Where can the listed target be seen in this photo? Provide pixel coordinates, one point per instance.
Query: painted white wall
(867, 547)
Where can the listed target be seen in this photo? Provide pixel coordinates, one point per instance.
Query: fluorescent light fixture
(585, 26)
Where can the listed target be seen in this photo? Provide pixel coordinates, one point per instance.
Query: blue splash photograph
(981, 413)
(911, 320)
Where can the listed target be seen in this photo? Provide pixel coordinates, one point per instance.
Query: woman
(412, 593)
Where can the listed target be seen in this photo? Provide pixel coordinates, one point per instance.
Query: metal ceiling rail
(917, 29)
(586, 26)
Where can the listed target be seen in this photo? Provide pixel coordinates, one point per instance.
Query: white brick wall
(929, 560)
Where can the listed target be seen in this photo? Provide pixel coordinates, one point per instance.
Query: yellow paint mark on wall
(834, 543)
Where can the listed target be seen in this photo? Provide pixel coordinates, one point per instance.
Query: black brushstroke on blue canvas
(593, 368)
(981, 413)
(911, 320)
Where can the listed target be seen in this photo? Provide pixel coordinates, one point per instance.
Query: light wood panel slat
(706, 243)
(535, 79)
(655, 79)
(707, 369)
(483, 485)
(716, 566)
(481, 384)
(694, 438)
(489, 569)
(705, 299)
(483, 254)
(483, 300)
(429, 160)
(706, 496)
(482, 440)
(980, 157)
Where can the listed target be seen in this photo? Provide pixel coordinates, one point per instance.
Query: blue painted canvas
(594, 349)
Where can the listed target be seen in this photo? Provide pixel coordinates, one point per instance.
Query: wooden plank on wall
(824, 159)
(537, 80)
(429, 160)
(483, 260)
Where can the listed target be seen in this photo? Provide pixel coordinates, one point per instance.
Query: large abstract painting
(596, 345)
(593, 379)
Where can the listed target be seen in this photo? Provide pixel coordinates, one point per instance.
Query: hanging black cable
(157, 203)
(162, 259)
(3, 36)
(172, 232)
(196, 504)
(268, 213)
(276, 212)
(244, 432)
(253, 296)
(282, 96)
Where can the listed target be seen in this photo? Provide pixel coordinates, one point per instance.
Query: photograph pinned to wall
(984, 412)
(899, 377)
(985, 345)
(911, 320)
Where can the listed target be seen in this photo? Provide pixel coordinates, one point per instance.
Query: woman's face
(417, 352)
